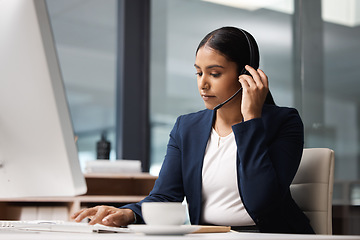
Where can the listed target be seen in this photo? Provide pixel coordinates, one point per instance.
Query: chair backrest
(312, 187)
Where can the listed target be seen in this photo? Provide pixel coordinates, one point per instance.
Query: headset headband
(252, 61)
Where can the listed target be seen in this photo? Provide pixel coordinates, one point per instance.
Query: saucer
(163, 229)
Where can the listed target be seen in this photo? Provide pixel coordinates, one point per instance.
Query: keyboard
(60, 226)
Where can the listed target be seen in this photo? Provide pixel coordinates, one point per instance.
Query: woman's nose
(203, 84)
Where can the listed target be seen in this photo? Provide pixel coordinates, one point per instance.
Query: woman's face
(217, 77)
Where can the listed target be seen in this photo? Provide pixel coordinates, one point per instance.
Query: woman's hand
(106, 215)
(255, 89)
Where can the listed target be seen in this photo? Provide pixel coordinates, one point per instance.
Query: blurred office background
(309, 50)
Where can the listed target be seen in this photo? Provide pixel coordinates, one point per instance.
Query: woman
(233, 164)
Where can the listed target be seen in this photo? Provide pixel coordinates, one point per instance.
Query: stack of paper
(117, 166)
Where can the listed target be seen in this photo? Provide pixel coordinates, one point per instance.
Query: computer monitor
(38, 153)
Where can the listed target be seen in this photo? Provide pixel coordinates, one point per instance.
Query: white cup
(163, 213)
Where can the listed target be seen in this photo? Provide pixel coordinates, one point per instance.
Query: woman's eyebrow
(211, 66)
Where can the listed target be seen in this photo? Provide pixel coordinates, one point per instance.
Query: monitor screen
(38, 154)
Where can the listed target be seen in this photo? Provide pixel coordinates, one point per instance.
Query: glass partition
(178, 27)
(327, 98)
(341, 24)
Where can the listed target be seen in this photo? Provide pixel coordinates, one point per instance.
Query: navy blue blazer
(269, 151)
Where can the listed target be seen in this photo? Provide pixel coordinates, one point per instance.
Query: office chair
(312, 187)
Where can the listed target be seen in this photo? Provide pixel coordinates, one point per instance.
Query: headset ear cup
(244, 71)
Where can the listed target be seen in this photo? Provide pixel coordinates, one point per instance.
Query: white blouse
(221, 200)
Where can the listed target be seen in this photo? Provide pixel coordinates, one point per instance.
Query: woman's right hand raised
(106, 215)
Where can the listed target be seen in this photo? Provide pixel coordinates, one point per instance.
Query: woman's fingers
(79, 216)
(244, 83)
(264, 78)
(257, 76)
(75, 215)
(252, 81)
(105, 215)
(122, 217)
(255, 89)
(257, 81)
(100, 214)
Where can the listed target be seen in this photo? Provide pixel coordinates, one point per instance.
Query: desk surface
(12, 235)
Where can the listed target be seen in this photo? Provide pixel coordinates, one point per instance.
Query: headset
(253, 62)
(254, 53)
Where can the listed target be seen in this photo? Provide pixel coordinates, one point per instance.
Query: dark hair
(236, 45)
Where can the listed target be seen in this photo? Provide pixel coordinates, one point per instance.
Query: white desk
(12, 235)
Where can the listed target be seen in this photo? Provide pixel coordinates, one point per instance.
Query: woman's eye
(215, 74)
(199, 74)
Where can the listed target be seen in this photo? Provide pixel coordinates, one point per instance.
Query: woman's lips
(206, 97)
